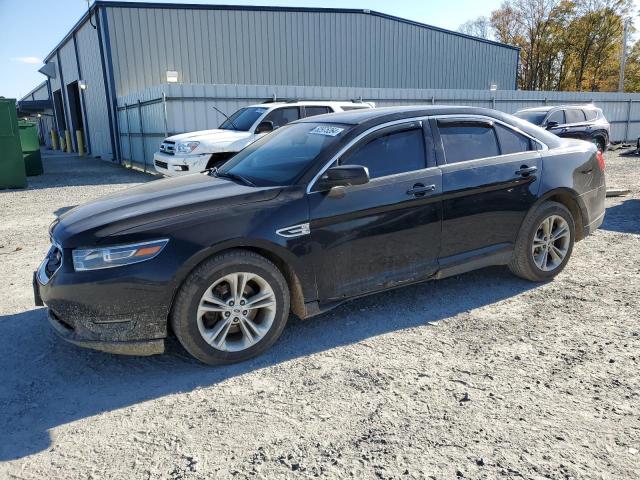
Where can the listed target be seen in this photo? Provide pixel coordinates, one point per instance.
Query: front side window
(281, 157)
(532, 116)
(243, 119)
(281, 116)
(316, 110)
(574, 115)
(510, 141)
(389, 154)
(557, 116)
(468, 141)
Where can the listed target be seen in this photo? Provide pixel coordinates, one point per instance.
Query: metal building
(118, 48)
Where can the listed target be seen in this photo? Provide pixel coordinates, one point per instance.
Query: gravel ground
(477, 376)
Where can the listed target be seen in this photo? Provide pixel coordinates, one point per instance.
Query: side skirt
(455, 265)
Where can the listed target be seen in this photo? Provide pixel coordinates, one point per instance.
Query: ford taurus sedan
(320, 211)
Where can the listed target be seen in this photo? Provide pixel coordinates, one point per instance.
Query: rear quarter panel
(573, 167)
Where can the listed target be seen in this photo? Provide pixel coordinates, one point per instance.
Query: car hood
(211, 136)
(151, 202)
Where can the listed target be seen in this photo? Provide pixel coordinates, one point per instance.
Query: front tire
(544, 243)
(232, 307)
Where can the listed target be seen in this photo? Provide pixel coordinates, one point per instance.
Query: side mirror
(551, 125)
(264, 127)
(343, 176)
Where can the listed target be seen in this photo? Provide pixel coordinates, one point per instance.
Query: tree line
(565, 45)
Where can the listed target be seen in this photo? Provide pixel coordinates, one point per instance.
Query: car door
(490, 180)
(575, 124)
(281, 116)
(386, 232)
(557, 117)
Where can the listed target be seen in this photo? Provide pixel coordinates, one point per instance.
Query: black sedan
(318, 212)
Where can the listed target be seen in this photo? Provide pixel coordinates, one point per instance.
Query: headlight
(186, 147)
(116, 256)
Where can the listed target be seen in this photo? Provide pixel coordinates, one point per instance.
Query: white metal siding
(297, 48)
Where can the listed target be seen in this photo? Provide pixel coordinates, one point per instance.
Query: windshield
(532, 117)
(280, 157)
(243, 119)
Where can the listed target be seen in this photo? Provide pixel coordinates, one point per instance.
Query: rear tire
(544, 243)
(232, 307)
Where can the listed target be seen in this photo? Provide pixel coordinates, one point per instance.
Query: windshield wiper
(232, 176)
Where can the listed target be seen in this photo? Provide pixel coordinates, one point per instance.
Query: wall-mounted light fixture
(493, 87)
(172, 76)
(82, 84)
(39, 115)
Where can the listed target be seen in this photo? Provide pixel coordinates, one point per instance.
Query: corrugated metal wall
(189, 107)
(255, 47)
(95, 100)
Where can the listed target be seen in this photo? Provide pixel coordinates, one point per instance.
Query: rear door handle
(419, 190)
(526, 171)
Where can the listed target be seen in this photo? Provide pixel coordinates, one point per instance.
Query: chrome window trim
(356, 140)
(544, 146)
(504, 124)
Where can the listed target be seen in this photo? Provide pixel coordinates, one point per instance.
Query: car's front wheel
(232, 307)
(544, 243)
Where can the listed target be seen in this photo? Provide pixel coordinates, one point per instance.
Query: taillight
(600, 158)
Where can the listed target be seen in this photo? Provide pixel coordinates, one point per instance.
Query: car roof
(367, 118)
(553, 107)
(310, 103)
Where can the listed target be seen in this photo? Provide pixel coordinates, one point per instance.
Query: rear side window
(468, 141)
(316, 110)
(510, 141)
(281, 116)
(574, 115)
(395, 152)
(348, 109)
(590, 114)
(557, 116)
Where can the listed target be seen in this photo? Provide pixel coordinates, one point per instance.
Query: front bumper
(121, 310)
(176, 165)
(136, 347)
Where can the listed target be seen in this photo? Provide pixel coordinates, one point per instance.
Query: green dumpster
(30, 147)
(12, 171)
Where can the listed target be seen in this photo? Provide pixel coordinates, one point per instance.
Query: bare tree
(479, 27)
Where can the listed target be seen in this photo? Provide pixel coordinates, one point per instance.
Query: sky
(30, 29)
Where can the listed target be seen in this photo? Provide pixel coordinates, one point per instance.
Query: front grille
(161, 164)
(53, 260)
(168, 147)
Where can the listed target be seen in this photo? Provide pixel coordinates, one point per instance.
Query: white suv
(194, 152)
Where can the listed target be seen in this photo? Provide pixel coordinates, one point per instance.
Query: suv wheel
(232, 307)
(544, 243)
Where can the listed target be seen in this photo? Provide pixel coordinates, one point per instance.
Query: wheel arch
(272, 252)
(570, 199)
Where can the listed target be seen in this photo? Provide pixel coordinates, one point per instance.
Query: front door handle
(526, 171)
(419, 190)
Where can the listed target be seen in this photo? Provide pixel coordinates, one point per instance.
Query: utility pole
(623, 55)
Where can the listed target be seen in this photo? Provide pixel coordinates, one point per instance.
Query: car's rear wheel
(232, 307)
(544, 243)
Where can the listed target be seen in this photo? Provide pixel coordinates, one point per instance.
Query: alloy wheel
(551, 243)
(236, 311)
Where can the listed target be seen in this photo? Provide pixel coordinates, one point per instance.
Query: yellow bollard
(54, 139)
(67, 141)
(80, 142)
(61, 142)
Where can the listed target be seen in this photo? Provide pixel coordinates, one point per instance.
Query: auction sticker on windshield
(327, 131)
